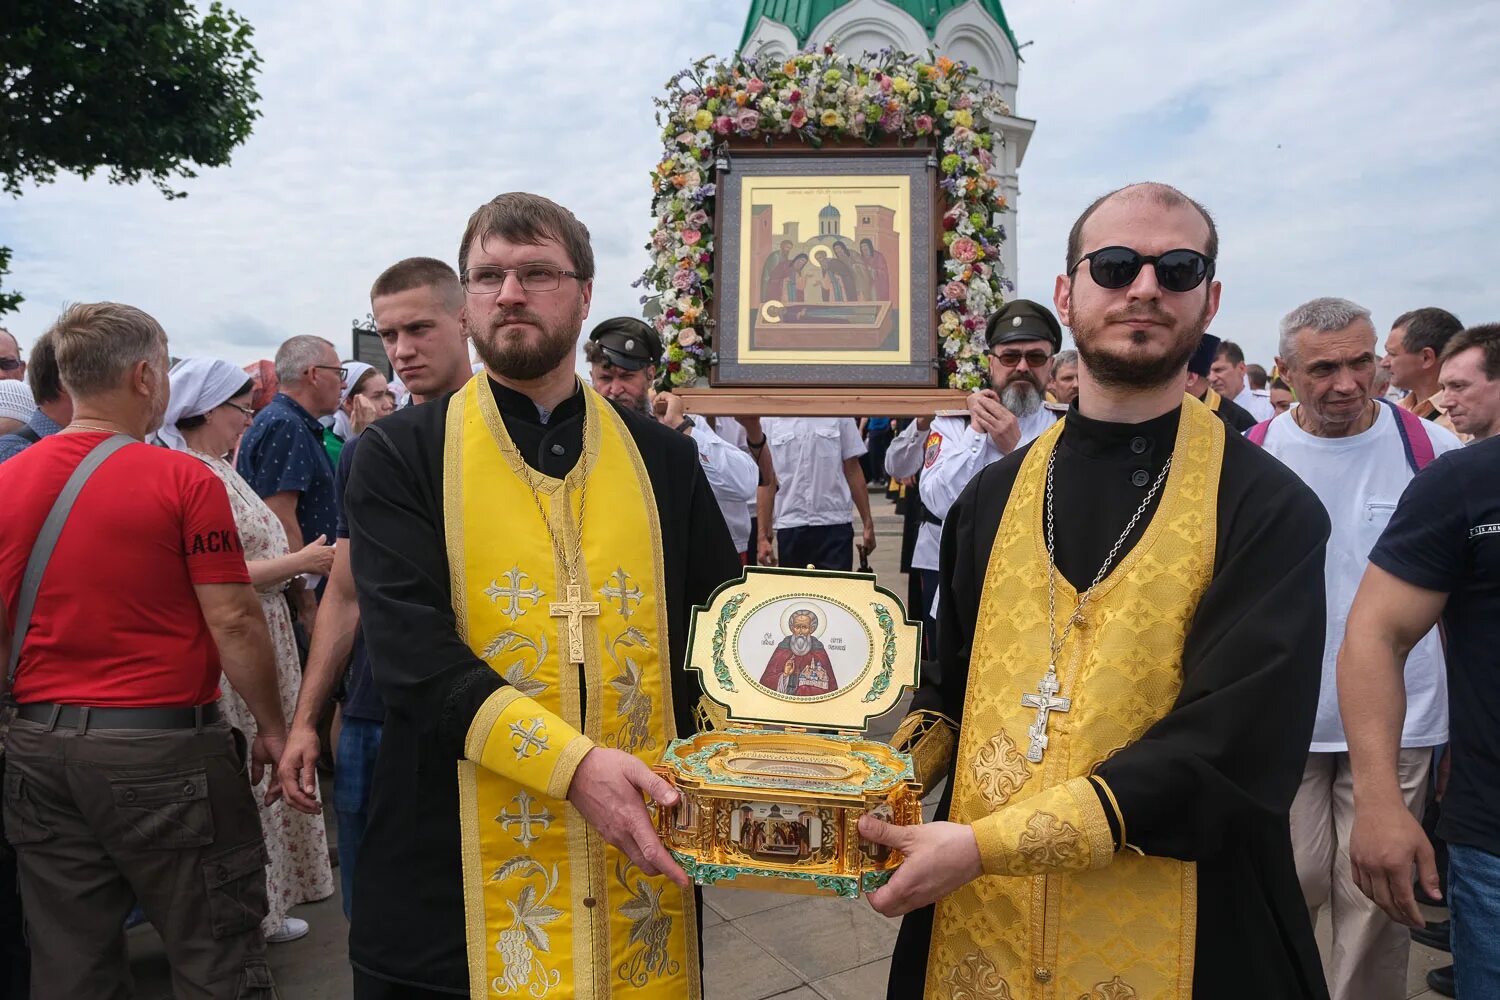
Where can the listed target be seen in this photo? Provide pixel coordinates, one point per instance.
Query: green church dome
(802, 16)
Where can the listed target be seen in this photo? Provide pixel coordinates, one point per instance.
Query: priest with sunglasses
(1130, 644)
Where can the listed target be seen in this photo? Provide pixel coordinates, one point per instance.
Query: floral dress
(297, 844)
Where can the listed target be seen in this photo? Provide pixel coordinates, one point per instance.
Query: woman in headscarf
(367, 397)
(208, 410)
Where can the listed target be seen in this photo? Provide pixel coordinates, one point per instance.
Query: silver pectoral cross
(1044, 702)
(574, 609)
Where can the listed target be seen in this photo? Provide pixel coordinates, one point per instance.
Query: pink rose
(687, 139)
(924, 123)
(886, 85)
(747, 120)
(723, 125)
(691, 236)
(688, 337)
(690, 105)
(697, 218)
(682, 280)
(799, 117)
(755, 86)
(956, 290)
(962, 101)
(661, 240)
(891, 121)
(963, 249)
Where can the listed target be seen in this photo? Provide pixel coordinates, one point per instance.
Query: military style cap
(1203, 358)
(627, 343)
(1023, 319)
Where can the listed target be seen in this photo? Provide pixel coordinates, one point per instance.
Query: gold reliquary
(794, 665)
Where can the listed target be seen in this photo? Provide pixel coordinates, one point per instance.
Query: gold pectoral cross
(574, 609)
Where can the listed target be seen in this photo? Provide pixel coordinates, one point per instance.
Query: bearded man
(526, 556)
(1022, 339)
(799, 665)
(1130, 641)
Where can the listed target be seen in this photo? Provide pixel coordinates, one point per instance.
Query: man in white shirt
(1358, 454)
(816, 478)
(1022, 338)
(622, 354)
(1227, 377)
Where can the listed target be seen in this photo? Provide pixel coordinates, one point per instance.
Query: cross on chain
(622, 590)
(525, 819)
(514, 594)
(574, 609)
(1045, 701)
(533, 737)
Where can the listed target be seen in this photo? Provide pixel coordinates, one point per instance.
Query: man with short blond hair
(416, 303)
(1358, 454)
(123, 781)
(1470, 381)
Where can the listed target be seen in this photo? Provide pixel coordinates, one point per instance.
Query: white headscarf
(198, 385)
(341, 428)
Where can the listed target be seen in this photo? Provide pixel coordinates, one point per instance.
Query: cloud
(1344, 147)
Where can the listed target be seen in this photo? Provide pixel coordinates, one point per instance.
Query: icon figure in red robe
(799, 664)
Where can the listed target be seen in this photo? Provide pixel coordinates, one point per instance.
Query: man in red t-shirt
(122, 783)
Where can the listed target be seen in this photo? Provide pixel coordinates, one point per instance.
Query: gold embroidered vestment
(551, 910)
(1059, 913)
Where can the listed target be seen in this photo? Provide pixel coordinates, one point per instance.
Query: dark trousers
(929, 623)
(877, 444)
(15, 958)
(102, 818)
(368, 987)
(821, 546)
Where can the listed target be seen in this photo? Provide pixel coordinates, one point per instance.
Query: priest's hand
(988, 416)
(606, 790)
(1387, 843)
(940, 857)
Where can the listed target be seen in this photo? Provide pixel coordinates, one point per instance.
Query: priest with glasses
(1130, 643)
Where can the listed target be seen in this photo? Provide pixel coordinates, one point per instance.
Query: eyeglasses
(343, 372)
(9, 364)
(1176, 270)
(1035, 358)
(486, 280)
(243, 409)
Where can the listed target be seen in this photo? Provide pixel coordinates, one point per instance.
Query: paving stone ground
(757, 945)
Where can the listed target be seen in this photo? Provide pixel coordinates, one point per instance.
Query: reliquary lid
(808, 648)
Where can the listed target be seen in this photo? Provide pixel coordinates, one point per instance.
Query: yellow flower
(900, 84)
(831, 119)
(702, 120)
(963, 118)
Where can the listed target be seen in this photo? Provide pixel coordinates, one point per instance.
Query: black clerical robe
(1213, 780)
(408, 909)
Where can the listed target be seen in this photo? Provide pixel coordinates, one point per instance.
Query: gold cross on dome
(574, 609)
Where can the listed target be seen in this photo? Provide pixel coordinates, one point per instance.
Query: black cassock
(1213, 781)
(408, 914)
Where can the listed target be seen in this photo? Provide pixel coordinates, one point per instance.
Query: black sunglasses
(1176, 270)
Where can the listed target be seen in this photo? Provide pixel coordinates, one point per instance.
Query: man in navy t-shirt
(1438, 559)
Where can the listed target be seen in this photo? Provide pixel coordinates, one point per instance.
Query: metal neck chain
(1054, 641)
(570, 562)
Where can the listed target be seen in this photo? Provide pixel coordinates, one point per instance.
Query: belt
(928, 517)
(84, 718)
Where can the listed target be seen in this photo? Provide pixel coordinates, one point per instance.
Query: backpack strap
(1257, 434)
(46, 540)
(1414, 439)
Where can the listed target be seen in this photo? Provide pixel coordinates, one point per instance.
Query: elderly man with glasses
(282, 455)
(1022, 339)
(11, 365)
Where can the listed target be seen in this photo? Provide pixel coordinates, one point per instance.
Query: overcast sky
(1347, 147)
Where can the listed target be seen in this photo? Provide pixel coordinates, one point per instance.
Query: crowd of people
(214, 575)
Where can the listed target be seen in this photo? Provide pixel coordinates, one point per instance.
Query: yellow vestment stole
(551, 910)
(1058, 913)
